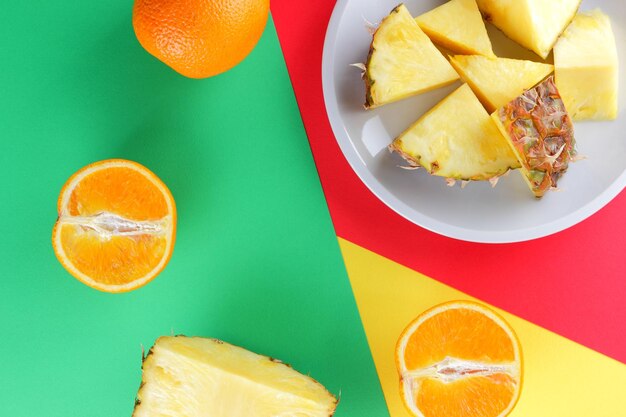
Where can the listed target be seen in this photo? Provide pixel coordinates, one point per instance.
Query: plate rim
(412, 215)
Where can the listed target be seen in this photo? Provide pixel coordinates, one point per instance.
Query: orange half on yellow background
(459, 359)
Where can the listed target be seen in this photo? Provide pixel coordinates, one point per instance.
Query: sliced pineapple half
(540, 133)
(197, 377)
(497, 81)
(586, 64)
(534, 24)
(458, 26)
(403, 61)
(457, 139)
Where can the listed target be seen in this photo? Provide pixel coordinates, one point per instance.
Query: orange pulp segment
(459, 359)
(116, 225)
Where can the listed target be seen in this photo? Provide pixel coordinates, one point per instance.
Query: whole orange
(200, 38)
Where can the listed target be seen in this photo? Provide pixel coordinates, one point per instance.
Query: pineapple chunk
(586, 67)
(534, 24)
(403, 61)
(457, 139)
(541, 134)
(197, 377)
(497, 81)
(458, 26)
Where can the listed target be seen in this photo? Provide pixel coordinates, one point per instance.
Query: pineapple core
(458, 26)
(197, 377)
(534, 24)
(496, 81)
(586, 68)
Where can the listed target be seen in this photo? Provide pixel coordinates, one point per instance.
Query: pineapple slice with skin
(457, 26)
(497, 81)
(198, 377)
(457, 140)
(403, 61)
(540, 132)
(534, 24)
(586, 63)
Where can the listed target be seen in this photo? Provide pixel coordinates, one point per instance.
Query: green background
(256, 261)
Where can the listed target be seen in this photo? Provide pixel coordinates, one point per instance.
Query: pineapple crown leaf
(413, 163)
(551, 159)
(360, 66)
(369, 26)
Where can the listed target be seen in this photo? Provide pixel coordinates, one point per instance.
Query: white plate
(478, 213)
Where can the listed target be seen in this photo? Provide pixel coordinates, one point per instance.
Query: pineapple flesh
(457, 26)
(541, 134)
(197, 377)
(534, 24)
(586, 63)
(458, 140)
(403, 61)
(497, 81)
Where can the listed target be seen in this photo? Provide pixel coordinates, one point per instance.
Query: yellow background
(561, 377)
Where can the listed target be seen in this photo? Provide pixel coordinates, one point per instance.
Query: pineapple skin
(540, 133)
(249, 360)
(446, 74)
(370, 101)
(587, 68)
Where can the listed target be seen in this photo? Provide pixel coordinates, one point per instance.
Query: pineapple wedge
(497, 81)
(403, 61)
(457, 139)
(585, 58)
(534, 24)
(458, 26)
(197, 377)
(541, 134)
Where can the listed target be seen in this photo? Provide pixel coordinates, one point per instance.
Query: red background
(573, 283)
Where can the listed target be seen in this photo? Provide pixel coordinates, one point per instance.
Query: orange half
(116, 225)
(459, 359)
